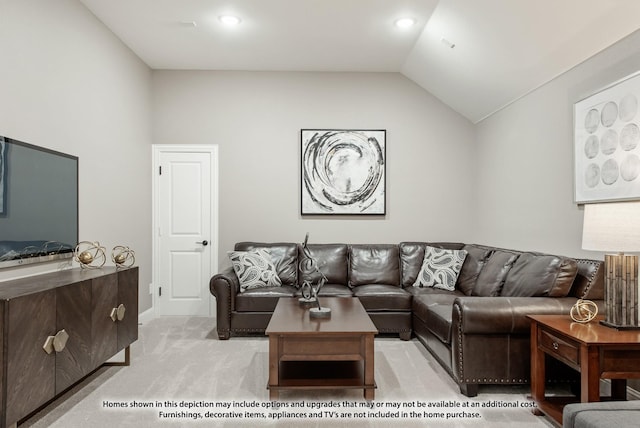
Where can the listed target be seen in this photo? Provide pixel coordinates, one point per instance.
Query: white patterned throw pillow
(440, 268)
(254, 269)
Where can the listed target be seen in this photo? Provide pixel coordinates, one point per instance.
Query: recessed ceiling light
(229, 19)
(405, 22)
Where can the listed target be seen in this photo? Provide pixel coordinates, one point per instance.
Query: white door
(185, 241)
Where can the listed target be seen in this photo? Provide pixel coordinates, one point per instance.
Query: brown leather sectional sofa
(479, 332)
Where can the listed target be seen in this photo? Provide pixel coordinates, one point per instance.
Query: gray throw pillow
(254, 269)
(440, 268)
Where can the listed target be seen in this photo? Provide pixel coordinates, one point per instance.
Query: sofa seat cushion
(332, 290)
(540, 275)
(380, 297)
(439, 321)
(434, 292)
(435, 310)
(263, 299)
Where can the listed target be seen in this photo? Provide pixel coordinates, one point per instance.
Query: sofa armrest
(224, 286)
(504, 315)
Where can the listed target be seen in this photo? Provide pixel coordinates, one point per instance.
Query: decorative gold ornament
(90, 255)
(123, 256)
(584, 311)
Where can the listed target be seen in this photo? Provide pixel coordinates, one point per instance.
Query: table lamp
(615, 227)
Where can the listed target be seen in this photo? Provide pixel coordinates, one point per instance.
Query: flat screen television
(38, 203)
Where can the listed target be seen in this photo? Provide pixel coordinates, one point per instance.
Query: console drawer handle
(60, 340)
(120, 312)
(56, 343)
(555, 346)
(48, 344)
(117, 314)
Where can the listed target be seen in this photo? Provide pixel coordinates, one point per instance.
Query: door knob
(204, 243)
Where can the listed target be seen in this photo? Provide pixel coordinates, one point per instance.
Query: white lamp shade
(612, 227)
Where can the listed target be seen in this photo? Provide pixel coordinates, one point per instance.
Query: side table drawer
(561, 348)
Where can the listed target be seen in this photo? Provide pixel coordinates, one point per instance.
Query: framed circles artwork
(343, 171)
(607, 143)
(3, 177)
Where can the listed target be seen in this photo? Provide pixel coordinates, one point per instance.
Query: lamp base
(619, 327)
(621, 292)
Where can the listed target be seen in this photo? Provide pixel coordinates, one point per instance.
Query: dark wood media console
(57, 328)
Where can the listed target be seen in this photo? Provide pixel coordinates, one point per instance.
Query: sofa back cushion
(374, 264)
(284, 256)
(474, 262)
(332, 261)
(540, 275)
(494, 273)
(589, 282)
(412, 257)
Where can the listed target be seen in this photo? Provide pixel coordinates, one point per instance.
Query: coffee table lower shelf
(320, 375)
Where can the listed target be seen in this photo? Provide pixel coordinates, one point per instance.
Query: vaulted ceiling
(477, 56)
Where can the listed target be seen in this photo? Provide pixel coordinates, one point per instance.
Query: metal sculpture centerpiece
(90, 255)
(309, 267)
(583, 311)
(123, 257)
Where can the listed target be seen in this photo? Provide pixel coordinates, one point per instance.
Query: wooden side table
(596, 351)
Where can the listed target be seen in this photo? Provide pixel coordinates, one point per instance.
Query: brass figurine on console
(123, 257)
(90, 255)
(308, 266)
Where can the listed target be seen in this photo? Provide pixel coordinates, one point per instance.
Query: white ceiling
(503, 48)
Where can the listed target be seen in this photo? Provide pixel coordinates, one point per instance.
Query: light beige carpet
(180, 359)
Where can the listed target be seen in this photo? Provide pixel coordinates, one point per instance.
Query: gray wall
(525, 159)
(255, 118)
(68, 84)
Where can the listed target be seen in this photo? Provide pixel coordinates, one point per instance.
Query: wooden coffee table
(596, 351)
(332, 353)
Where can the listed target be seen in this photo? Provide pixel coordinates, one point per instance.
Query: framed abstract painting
(343, 172)
(607, 143)
(3, 177)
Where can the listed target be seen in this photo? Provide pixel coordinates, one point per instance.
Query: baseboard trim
(146, 316)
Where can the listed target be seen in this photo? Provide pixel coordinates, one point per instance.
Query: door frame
(157, 149)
